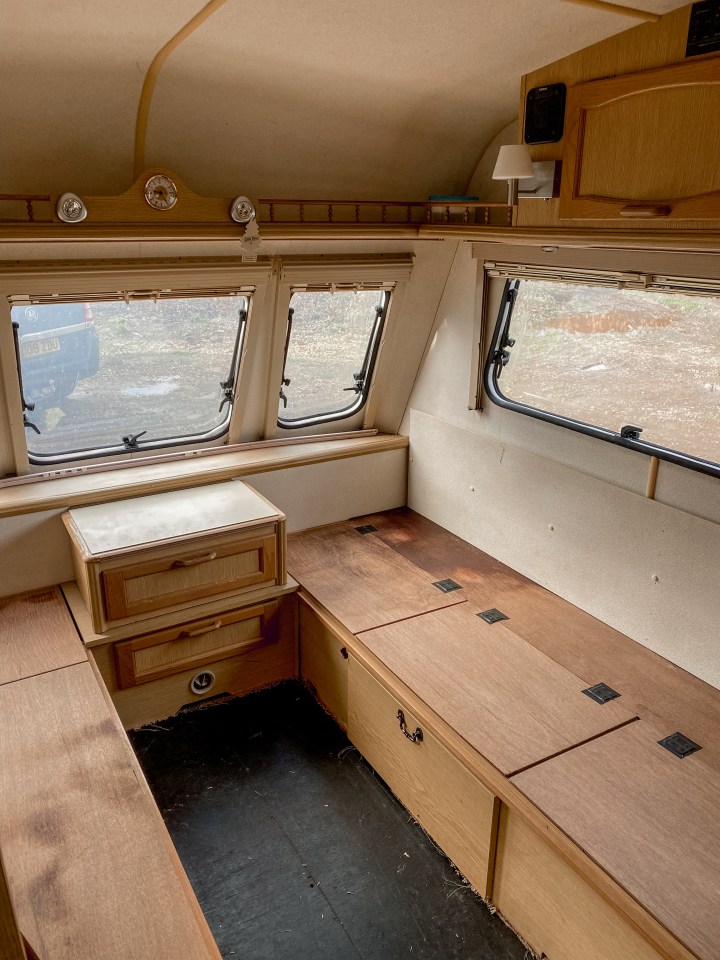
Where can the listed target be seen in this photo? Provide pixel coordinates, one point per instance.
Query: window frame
(369, 361)
(513, 274)
(89, 281)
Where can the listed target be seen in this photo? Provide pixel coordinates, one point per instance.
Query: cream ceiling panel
(384, 98)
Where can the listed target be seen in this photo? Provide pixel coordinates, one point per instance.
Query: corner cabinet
(644, 146)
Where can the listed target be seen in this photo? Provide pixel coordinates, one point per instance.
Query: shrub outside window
(331, 346)
(111, 377)
(633, 362)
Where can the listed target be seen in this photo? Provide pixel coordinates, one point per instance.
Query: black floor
(296, 850)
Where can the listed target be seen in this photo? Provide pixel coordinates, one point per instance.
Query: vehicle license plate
(36, 347)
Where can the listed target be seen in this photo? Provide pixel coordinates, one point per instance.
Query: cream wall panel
(337, 490)
(647, 569)
(34, 552)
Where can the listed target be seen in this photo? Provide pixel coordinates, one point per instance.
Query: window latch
(131, 441)
(630, 432)
(227, 387)
(359, 384)
(29, 423)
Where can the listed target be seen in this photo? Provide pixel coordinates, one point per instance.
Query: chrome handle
(200, 631)
(413, 737)
(193, 561)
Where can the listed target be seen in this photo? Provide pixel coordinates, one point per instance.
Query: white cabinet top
(126, 524)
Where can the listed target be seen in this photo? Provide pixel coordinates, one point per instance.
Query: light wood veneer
(458, 812)
(36, 635)
(323, 660)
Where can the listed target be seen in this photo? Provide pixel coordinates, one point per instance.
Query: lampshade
(513, 163)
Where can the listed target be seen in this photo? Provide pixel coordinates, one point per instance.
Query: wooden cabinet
(453, 806)
(323, 661)
(182, 595)
(554, 909)
(644, 145)
(137, 558)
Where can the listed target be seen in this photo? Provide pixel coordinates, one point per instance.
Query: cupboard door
(551, 906)
(453, 806)
(324, 663)
(644, 145)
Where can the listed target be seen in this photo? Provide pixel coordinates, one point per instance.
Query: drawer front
(458, 812)
(324, 663)
(153, 583)
(552, 907)
(194, 644)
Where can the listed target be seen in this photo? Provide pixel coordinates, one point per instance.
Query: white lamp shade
(513, 163)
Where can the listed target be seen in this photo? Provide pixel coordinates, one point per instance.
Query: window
(632, 359)
(332, 342)
(109, 376)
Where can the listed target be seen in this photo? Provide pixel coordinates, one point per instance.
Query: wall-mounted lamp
(541, 179)
(513, 164)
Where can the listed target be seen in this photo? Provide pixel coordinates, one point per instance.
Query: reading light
(513, 164)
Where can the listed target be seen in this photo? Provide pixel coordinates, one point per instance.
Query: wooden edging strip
(84, 489)
(601, 882)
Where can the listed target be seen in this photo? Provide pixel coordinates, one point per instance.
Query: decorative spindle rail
(377, 212)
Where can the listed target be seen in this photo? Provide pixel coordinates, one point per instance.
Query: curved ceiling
(392, 99)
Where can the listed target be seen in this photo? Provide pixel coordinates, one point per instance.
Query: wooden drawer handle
(645, 211)
(193, 561)
(414, 737)
(200, 632)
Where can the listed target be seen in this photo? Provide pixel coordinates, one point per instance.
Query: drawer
(165, 652)
(174, 576)
(552, 907)
(324, 663)
(458, 812)
(252, 669)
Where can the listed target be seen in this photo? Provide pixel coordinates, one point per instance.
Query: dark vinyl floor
(296, 850)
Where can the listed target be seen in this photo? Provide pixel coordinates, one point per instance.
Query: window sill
(84, 489)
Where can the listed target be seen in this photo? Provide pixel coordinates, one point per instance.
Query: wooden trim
(607, 7)
(84, 488)
(11, 940)
(652, 478)
(706, 240)
(611, 891)
(151, 76)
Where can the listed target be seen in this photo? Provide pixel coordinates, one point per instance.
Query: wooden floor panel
(360, 580)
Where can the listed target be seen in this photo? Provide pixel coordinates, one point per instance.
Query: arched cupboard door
(644, 145)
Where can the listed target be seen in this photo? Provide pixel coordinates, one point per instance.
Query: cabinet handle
(200, 631)
(413, 737)
(645, 211)
(193, 561)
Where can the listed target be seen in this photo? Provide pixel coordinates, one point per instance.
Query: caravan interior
(374, 347)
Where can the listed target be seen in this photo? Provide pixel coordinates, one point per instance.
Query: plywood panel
(510, 702)
(361, 581)
(91, 865)
(650, 686)
(554, 909)
(36, 635)
(648, 818)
